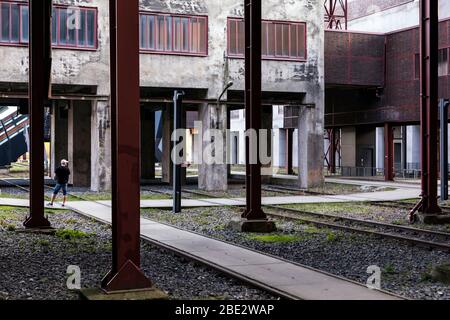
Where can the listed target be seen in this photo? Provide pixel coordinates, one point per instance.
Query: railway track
(415, 236)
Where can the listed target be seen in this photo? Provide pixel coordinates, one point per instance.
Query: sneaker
(50, 204)
(63, 205)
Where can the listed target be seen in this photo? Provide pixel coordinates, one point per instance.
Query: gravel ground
(367, 211)
(405, 269)
(33, 267)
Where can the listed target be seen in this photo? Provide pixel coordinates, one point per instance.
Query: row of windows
(279, 39)
(70, 28)
(164, 33)
(159, 33)
(443, 63)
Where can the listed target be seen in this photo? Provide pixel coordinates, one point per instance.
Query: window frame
(18, 43)
(21, 43)
(416, 65)
(172, 51)
(269, 57)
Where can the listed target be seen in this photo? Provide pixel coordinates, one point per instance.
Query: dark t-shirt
(62, 175)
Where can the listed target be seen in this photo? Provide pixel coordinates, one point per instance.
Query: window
(443, 63)
(173, 34)
(74, 27)
(280, 40)
(70, 27)
(12, 23)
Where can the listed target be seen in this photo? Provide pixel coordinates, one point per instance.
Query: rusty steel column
(40, 12)
(388, 152)
(289, 151)
(332, 155)
(253, 56)
(125, 274)
(429, 31)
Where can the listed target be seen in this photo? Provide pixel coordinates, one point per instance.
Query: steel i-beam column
(38, 92)
(253, 52)
(333, 151)
(443, 109)
(125, 274)
(388, 152)
(289, 151)
(429, 30)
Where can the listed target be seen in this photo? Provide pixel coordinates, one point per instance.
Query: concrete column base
(97, 294)
(434, 218)
(256, 226)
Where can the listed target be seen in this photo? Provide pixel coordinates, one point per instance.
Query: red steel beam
(125, 274)
(332, 155)
(253, 56)
(429, 36)
(388, 152)
(38, 93)
(336, 14)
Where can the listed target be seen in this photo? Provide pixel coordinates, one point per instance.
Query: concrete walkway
(290, 279)
(396, 195)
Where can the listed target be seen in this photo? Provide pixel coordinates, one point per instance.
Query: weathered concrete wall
(211, 73)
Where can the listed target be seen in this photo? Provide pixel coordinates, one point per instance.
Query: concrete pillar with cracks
(310, 151)
(213, 176)
(79, 142)
(267, 124)
(58, 136)
(100, 146)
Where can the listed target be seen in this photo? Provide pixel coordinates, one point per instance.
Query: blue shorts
(60, 187)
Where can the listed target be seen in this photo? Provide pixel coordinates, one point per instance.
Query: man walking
(62, 174)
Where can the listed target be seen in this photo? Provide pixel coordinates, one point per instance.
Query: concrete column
(100, 147)
(413, 147)
(58, 137)
(404, 138)
(213, 176)
(310, 153)
(267, 124)
(147, 144)
(79, 142)
(380, 148)
(166, 161)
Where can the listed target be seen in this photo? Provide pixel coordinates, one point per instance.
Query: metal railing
(412, 174)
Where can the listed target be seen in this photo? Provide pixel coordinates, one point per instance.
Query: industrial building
(196, 46)
(325, 121)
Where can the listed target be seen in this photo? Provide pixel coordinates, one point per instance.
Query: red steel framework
(38, 94)
(125, 118)
(429, 44)
(334, 149)
(253, 70)
(336, 14)
(388, 152)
